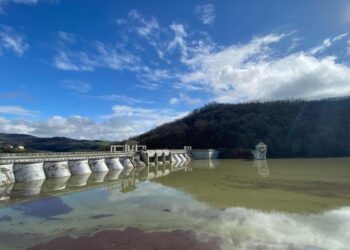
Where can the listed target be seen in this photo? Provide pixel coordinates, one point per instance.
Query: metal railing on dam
(9, 158)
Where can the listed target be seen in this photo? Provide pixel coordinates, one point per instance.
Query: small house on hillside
(19, 147)
(7, 147)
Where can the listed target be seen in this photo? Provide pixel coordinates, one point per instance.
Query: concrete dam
(22, 167)
(124, 179)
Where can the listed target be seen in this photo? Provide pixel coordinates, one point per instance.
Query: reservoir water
(221, 204)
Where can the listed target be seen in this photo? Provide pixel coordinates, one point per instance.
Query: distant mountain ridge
(55, 144)
(290, 128)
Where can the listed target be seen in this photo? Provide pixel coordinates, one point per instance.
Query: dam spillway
(125, 180)
(22, 167)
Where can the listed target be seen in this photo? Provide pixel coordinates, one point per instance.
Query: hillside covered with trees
(55, 144)
(290, 128)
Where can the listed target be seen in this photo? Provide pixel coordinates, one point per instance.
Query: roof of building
(131, 142)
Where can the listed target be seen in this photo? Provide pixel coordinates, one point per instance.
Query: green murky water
(278, 204)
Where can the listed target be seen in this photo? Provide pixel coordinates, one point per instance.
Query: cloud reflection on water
(243, 228)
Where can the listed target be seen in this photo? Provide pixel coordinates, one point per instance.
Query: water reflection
(78, 180)
(97, 177)
(26, 189)
(5, 191)
(124, 180)
(113, 175)
(263, 168)
(55, 184)
(303, 204)
(45, 208)
(293, 185)
(205, 164)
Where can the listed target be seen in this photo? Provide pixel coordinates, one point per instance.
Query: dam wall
(23, 167)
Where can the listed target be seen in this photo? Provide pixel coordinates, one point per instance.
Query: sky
(113, 69)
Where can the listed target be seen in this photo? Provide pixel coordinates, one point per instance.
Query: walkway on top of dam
(10, 158)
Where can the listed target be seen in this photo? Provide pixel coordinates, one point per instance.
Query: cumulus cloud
(255, 71)
(206, 13)
(12, 41)
(262, 68)
(124, 122)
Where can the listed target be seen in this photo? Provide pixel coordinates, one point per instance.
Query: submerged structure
(260, 151)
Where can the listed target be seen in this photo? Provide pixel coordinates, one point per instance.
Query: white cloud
(183, 98)
(74, 61)
(102, 56)
(153, 79)
(124, 122)
(148, 28)
(148, 85)
(143, 119)
(206, 13)
(121, 98)
(17, 110)
(66, 37)
(76, 85)
(4, 3)
(10, 40)
(179, 40)
(113, 58)
(255, 71)
(348, 47)
(149, 114)
(327, 43)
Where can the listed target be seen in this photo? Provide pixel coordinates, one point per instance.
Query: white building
(260, 151)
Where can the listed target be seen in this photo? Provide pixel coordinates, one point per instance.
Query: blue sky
(113, 69)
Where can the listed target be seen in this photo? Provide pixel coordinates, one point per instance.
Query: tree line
(290, 128)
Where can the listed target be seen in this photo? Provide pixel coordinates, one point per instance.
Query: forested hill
(290, 128)
(58, 144)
